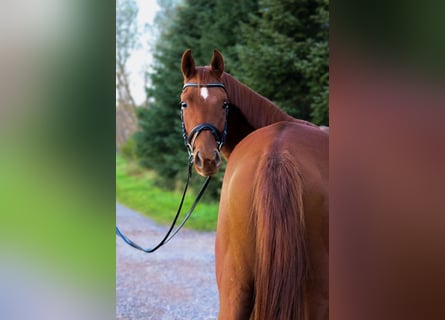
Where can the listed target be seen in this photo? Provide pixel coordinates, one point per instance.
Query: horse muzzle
(207, 164)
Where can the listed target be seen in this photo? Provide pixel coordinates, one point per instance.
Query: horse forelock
(205, 75)
(202, 76)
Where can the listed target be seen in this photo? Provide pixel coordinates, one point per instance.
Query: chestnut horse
(272, 245)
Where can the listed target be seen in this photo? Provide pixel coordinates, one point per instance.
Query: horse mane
(258, 110)
(249, 110)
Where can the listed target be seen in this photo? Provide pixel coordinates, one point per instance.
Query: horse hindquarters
(281, 266)
(265, 237)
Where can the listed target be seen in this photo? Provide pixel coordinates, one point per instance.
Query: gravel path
(177, 282)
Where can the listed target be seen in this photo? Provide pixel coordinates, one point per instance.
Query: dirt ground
(177, 282)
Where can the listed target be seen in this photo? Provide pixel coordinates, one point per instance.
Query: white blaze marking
(204, 93)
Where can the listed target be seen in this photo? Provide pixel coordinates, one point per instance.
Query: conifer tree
(283, 55)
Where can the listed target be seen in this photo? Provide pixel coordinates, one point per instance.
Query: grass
(136, 189)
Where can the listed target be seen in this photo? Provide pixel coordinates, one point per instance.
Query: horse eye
(183, 104)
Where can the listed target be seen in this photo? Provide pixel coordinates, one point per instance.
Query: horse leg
(235, 290)
(235, 256)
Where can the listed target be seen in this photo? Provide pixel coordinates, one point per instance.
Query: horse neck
(237, 129)
(258, 110)
(249, 111)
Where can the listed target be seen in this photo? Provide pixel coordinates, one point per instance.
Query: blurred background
(57, 162)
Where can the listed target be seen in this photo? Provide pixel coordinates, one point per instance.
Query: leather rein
(189, 143)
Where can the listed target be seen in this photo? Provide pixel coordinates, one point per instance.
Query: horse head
(204, 107)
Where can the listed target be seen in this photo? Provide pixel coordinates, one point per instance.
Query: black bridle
(189, 141)
(220, 137)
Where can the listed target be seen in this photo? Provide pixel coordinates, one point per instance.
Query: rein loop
(172, 231)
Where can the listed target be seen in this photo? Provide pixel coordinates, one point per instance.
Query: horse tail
(282, 265)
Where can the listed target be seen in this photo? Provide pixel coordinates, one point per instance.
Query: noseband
(220, 137)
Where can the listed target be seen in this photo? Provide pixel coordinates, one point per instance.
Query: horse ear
(217, 63)
(187, 64)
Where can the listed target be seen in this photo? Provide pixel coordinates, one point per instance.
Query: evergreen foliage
(284, 56)
(278, 48)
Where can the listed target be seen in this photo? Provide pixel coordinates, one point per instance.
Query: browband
(204, 85)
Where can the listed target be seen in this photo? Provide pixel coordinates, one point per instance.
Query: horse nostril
(198, 160)
(217, 158)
